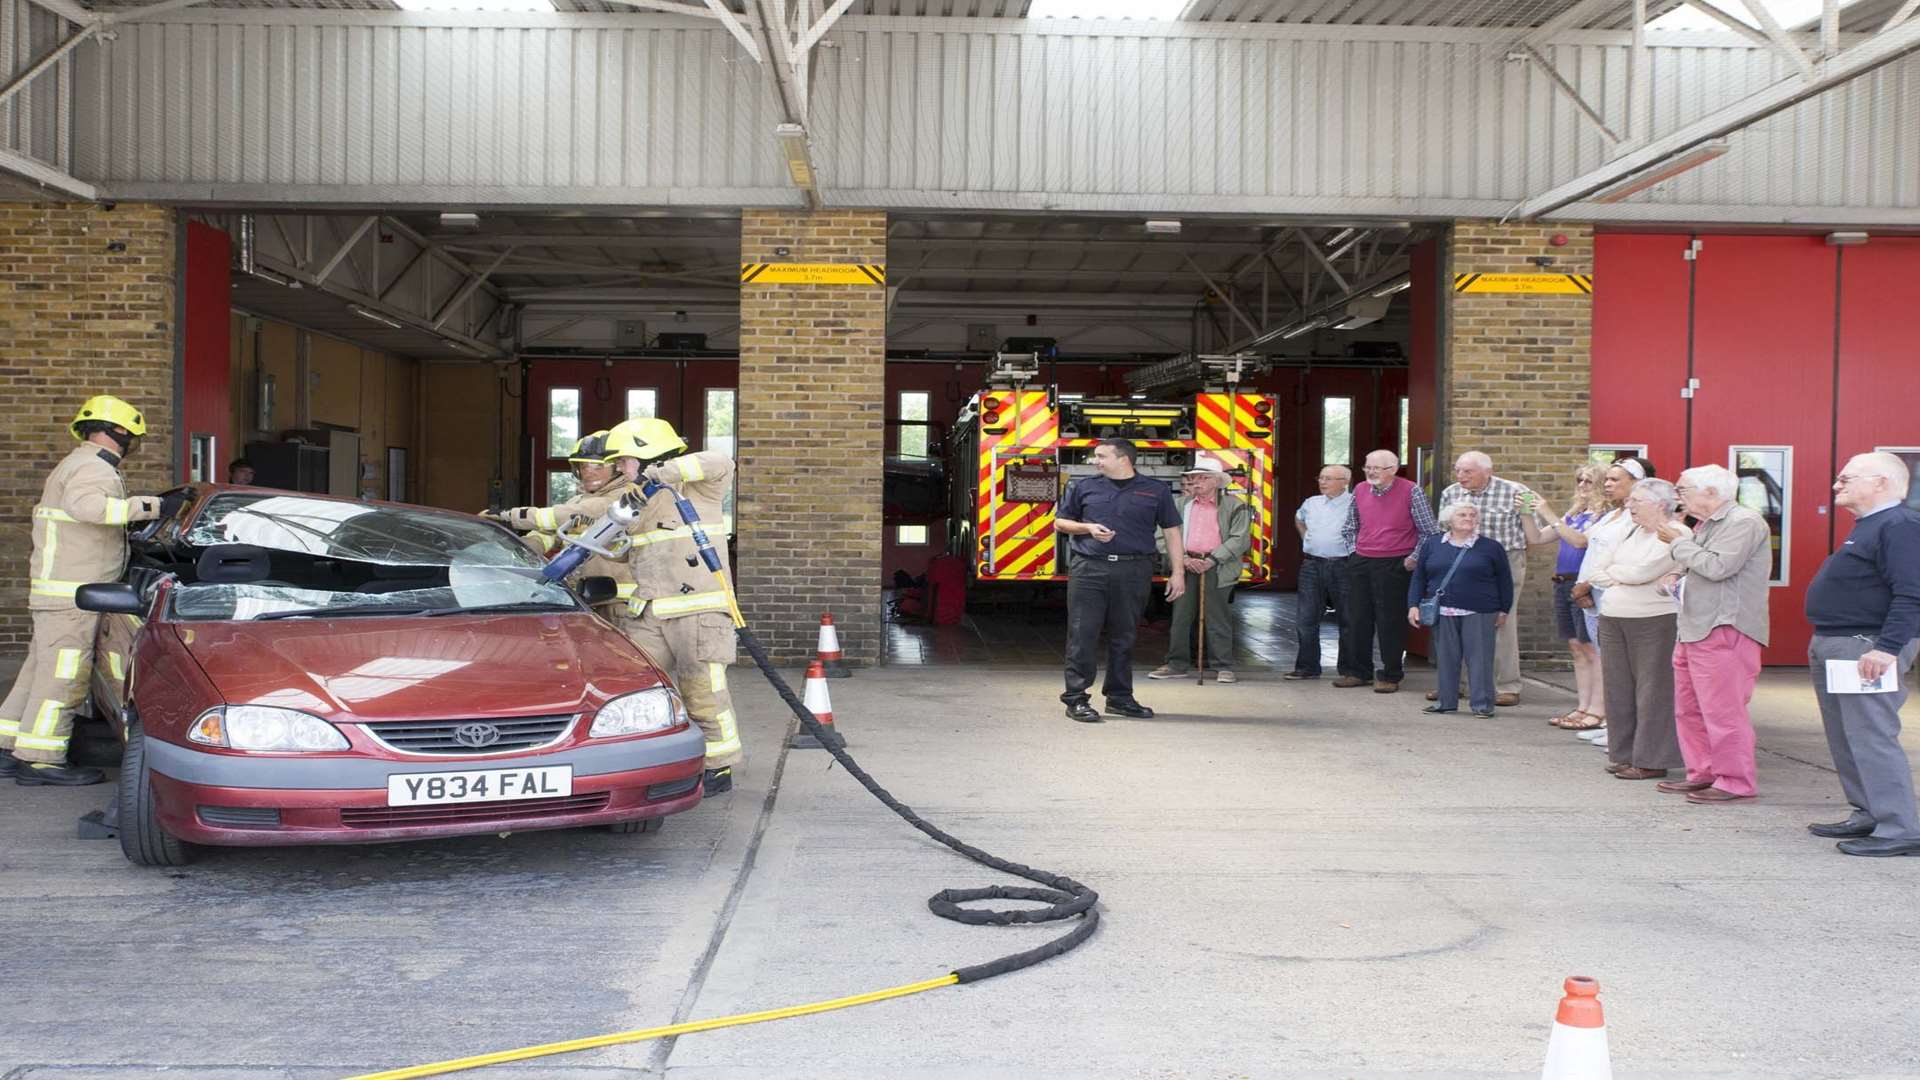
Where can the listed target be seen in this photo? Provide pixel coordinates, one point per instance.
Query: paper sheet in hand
(1843, 677)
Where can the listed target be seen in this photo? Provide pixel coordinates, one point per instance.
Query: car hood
(420, 668)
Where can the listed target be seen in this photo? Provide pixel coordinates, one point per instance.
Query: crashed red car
(287, 668)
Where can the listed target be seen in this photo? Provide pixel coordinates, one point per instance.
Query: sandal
(1572, 717)
(1592, 721)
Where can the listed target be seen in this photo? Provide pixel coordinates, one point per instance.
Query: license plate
(480, 785)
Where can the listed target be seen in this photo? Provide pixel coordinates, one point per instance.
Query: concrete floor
(1296, 881)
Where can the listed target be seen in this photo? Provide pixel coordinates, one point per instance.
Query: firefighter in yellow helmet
(679, 613)
(79, 537)
(601, 485)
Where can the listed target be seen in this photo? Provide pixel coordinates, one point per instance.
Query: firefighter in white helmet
(79, 537)
(601, 485)
(680, 613)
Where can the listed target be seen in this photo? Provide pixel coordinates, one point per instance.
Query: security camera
(109, 206)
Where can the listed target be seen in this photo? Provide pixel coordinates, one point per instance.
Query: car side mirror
(110, 598)
(599, 590)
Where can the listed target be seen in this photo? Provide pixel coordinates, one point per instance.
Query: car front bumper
(257, 801)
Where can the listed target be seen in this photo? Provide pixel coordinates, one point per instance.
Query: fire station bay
(939, 539)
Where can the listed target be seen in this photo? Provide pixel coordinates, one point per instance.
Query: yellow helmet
(590, 450)
(645, 438)
(111, 410)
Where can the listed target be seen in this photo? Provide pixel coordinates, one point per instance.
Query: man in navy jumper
(1864, 605)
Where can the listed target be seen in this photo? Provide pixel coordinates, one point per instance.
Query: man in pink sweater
(1389, 519)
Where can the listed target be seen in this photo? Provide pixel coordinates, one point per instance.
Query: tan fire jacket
(80, 527)
(670, 580)
(571, 517)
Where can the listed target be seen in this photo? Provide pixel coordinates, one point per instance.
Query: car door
(147, 566)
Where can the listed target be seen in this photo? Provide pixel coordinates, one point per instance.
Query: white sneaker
(1600, 743)
(1596, 733)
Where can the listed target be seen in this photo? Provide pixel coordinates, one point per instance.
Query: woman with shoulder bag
(1543, 526)
(1462, 588)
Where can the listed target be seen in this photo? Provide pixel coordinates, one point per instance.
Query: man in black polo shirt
(1111, 518)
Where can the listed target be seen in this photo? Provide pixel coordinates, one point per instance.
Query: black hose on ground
(1065, 898)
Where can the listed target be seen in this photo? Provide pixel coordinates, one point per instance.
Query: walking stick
(1200, 654)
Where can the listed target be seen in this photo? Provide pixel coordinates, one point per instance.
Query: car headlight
(263, 727)
(632, 714)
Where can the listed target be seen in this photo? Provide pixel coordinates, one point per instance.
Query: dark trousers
(1465, 641)
(1323, 582)
(1636, 669)
(1110, 596)
(1219, 647)
(1863, 732)
(1377, 589)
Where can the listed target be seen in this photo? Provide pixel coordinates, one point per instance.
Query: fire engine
(1016, 446)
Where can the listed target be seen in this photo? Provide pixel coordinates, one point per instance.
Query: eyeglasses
(1588, 481)
(1843, 479)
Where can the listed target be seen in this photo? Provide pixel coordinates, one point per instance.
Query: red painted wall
(208, 356)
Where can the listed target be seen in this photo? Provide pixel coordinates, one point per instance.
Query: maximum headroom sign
(813, 274)
(1533, 284)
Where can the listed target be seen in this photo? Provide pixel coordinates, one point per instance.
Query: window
(1608, 453)
(203, 458)
(561, 487)
(910, 535)
(913, 425)
(717, 433)
(1336, 431)
(563, 421)
(643, 403)
(1406, 429)
(1764, 475)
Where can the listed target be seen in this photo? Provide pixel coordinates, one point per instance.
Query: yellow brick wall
(811, 435)
(1516, 382)
(78, 319)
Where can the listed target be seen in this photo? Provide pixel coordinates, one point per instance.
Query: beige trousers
(695, 651)
(37, 720)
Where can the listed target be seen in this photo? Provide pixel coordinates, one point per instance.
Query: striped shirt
(1499, 521)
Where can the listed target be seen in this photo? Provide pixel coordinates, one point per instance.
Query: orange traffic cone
(829, 651)
(816, 700)
(1577, 1049)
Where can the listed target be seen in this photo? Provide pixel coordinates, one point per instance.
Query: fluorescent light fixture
(1106, 9)
(1388, 290)
(1336, 238)
(1661, 173)
(274, 276)
(459, 221)
(474, 5)
(1310, 324)
(375, 316)
(793, 144)
(1163, 227)
(1845, 239)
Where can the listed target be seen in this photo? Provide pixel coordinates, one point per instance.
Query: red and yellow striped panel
(1229, 420)
(1020, 534)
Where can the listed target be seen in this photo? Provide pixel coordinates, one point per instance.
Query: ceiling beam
(467, 290)
(1906, 11)
(1852, 63)
(1572, 18)
(47, 176)
(1732, 22)
(1782, 44)
(1572, 94)
(728, 19)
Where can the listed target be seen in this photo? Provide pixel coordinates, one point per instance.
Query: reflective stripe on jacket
(669, 576)
(79, 527)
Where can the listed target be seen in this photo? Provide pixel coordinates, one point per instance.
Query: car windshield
(295, 555)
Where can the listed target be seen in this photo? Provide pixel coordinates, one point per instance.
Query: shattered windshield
(321, 557)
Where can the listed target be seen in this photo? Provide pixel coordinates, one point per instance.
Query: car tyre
(644, 825)
(142, 839)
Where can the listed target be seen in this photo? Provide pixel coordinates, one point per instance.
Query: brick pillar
(812, 397)
(1515, 382)
(78, 318)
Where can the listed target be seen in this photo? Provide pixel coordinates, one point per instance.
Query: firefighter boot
(41, 773)
(8, 763)
(718, 782)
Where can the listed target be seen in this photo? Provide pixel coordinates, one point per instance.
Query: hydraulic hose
(1063, 897)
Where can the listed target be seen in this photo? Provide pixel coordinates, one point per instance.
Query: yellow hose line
(441, 1068)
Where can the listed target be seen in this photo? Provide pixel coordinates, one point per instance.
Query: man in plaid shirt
(1500, 506)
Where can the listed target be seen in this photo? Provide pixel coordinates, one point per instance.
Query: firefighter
(601, 485)
(680, 612)
(79, 537)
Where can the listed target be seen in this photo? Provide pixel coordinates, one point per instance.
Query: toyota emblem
(476, 735)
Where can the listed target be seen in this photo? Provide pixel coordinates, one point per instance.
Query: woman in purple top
(1542, 525)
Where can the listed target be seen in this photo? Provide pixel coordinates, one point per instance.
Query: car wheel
(644, 825)
(142, 839)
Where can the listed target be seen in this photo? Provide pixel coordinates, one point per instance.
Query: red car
(286, 668)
